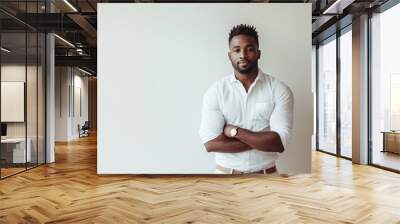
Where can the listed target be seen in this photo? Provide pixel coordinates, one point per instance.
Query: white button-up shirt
(267, 106)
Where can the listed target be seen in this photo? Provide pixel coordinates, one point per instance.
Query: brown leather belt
(233, 171)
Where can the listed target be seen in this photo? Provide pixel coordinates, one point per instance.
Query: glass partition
(22, 63)
(32, 95)
(14, 153)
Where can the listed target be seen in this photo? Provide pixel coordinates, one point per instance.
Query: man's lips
(243, 63)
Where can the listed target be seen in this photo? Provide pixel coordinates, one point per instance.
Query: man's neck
(247, 79)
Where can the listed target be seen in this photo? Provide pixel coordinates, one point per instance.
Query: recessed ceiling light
(84, 71)
(64, 40)
(5, 50)
(70, 5)
(334, 8)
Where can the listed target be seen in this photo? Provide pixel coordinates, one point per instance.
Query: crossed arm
(267, 141)
(214, 124)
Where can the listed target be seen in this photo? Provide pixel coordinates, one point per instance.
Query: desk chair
(84, 130)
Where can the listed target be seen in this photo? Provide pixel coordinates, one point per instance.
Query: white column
(50, 110)
(360, 90)
(50, 92)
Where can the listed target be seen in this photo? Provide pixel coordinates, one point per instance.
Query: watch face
(233, 132)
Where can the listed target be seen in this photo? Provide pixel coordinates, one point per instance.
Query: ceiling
(76, 22)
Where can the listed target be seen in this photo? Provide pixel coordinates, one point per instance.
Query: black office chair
(84, 130)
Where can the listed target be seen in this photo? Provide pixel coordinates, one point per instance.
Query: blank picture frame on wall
(12, 101)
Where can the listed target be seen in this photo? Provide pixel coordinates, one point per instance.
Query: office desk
(13, 150)
(391, 141)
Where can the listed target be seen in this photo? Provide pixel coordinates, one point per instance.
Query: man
(247, 116)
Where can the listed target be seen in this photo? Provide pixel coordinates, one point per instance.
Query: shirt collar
(260, 77)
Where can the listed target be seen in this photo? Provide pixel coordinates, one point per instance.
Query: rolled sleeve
(212, 119)
(281, 120)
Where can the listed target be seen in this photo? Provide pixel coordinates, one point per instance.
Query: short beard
(246, 71)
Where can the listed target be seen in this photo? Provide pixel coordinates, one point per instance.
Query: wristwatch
(233, 131)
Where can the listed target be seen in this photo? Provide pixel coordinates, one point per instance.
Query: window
(385, 89)
(327, 97)
(346, 74)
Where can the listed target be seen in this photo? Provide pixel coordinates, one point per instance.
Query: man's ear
(229, 55)
(259, 54)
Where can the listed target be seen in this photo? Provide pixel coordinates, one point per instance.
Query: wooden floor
(70, 191)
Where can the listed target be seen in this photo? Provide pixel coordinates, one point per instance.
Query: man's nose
(243, 54)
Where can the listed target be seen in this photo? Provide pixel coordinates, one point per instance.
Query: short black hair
(243, 29)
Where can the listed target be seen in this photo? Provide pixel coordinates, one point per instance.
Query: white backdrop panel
(155, 62)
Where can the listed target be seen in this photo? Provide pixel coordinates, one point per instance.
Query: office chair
(84, 130)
